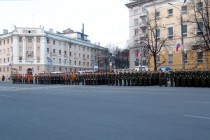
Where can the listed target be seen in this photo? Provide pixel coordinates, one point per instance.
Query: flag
(137, 53)
(49, 60)
(178, 46)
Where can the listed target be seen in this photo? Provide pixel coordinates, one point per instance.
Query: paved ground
(40, 112)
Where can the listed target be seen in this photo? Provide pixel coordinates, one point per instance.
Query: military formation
(181, 78)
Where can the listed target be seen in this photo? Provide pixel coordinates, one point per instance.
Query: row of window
(4, 41)
(170, 31)
(5, 60)
(4, 69)
(199, 7)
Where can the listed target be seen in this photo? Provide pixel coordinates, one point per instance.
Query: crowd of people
(178, 78)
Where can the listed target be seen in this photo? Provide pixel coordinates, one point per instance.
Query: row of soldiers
(181, 78)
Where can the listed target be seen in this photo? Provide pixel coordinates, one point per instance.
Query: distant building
(36, 50)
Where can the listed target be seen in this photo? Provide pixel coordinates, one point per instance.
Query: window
(11, 40)
(184, 30)
(135, 11)
(4, 60)
(83, 48)
(48, 40)
(75, 55)
(157, 59)
(60, 69)
(170, 33)
(54, 60)
(70, 62)
(20, 68)
(136, 22)
(170, 12)
(0, 69)
(83, 63)
(170, 58)
(20, 39)
(199, 57)
(185, 57)
(48, 50)
(59, 52)
(20, 57)
(137, 62)
(87, 56)
(38, 40)
(7, 41)
(158, 33)
(184, 9)
(79, 63)
(157, 15)
(29, 40)
(0, 61)
(75, 62)
(53, 42)
(53, 50)
(83, 56)
(3, 69)
(199, 28)
(88, 64)
(59, 61)
(200, 6)
(0, 43)
(136, 32)
(8, 59)
(65, 61)
(70, 54)
(7, 69)
(79, 55)
(4, 42)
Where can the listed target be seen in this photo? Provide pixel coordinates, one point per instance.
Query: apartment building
(36, 50)
(181, 49)
(137, 31)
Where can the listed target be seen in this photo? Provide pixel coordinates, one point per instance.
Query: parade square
(79, 112)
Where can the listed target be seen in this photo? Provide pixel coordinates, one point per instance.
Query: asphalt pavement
(76, 112)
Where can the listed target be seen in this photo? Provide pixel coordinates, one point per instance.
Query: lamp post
(182, 38)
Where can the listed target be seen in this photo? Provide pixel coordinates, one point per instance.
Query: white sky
(106, 21)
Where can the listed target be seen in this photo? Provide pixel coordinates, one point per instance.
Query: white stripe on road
(198, 117)
(200, 102)
(5, 96)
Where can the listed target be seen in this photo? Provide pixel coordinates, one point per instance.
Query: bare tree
(199, 15)
(152, 41)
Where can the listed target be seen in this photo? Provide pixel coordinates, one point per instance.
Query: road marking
(198, 117)
(5, 96)
(200, 102)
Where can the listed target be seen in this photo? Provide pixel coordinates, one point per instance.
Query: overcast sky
(106, 21)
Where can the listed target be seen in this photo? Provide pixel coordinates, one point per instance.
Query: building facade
(137, 31)
(183, 48)
(35, 50)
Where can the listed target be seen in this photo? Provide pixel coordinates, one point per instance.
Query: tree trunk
(155, 64)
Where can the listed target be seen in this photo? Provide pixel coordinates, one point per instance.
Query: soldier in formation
(177, 78)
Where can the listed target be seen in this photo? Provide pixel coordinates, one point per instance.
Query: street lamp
(182, 38)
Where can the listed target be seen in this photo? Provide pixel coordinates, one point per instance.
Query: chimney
(83, 32)
(5, 31)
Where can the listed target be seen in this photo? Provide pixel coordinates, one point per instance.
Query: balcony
(143, 24)
(142, 14)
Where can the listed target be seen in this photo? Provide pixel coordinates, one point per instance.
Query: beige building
(35, 50)
(178, 53)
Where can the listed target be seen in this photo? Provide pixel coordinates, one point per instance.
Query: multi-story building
(181, 50)
(137, 31)
(35, 50)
